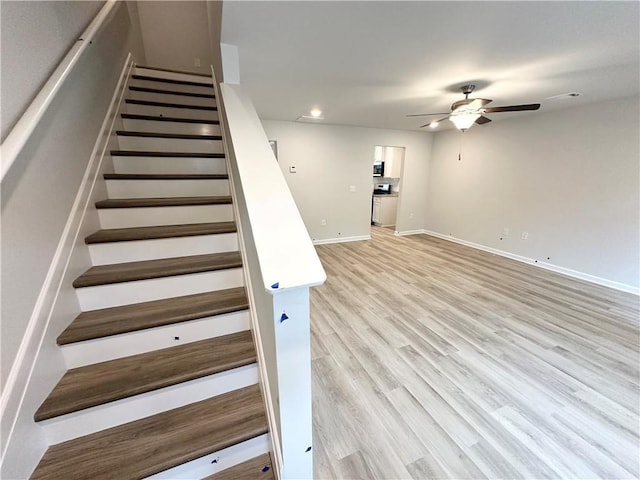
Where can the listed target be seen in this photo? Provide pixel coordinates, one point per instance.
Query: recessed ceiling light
(434, 124)
(316, 113)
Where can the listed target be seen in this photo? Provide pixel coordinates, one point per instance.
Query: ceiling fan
(464, 113)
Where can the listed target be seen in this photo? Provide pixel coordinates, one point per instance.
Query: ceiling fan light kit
(462, 121)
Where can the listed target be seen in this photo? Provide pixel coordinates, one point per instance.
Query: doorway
(386, 187)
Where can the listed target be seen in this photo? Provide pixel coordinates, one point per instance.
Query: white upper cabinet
(393, 157)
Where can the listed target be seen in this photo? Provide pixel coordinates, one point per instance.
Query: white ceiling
(370, 63)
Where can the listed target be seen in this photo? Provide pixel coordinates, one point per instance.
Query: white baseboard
(409, 232)
(357, 238)
(547, 266)
(24, 370)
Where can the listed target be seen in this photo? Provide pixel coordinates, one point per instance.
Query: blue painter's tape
(283, 317)
(265, 469)
(307, 450)
(275, 285)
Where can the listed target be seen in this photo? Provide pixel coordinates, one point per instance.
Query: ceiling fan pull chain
(460, 147)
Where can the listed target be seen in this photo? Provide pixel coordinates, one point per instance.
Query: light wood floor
(434, 360)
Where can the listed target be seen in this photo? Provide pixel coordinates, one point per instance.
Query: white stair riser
(94, 419)
(166, 188)
(132, 343)
(149, 72)
(171, 98)
(170, 127)
(168, 165)
(171, 111)
(169, 145)
(138, 250)
(218, 461)
(126, 293)
(153, 216)
(170, 86)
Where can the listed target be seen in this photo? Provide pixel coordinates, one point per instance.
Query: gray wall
(35, 36)
(39, 190)
(214, 12)
(569, 178)
(176, 32)
(331, 158)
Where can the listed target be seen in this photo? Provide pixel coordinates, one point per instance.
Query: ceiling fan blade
(426, 114)
(483, 120)
(435, 121)
(512, 108)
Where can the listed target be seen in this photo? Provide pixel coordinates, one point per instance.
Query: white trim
(218, 461)
(623, 287)
(356, 238)
(23, 367)
(127, 344)
(409, 232)
(20, 133)
(257, 339)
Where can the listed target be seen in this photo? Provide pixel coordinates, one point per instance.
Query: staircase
(162, 378)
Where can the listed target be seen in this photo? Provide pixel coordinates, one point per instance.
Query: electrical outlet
(196, 62)
(411, 215)
(352, 188)
(505, 231)
(524, 235)
(292, 169)
(323, 222)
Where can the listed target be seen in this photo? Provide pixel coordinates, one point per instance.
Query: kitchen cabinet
(384, 210)
(393, 157)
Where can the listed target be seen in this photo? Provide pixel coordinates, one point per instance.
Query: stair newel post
(293, 352)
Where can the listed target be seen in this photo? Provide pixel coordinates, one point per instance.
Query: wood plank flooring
(105, 382)
(163, 267)
(152, 444)
(140, 316)
(162, 231)
(257, 468)
(435, 360)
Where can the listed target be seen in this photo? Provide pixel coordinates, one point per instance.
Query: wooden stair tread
(100, 383)
(151, 103)
(140, 316)
(134, 88)
(162, 202)
(257, 468)
(171, 80)
(181, 136)
(143, 153)
(144, 447)
(164, 231)
(186, 72)
(156, 118)
(166, 176)
(164, 267)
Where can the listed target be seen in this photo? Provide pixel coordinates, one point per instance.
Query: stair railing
(20, 133)
(281, 265)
